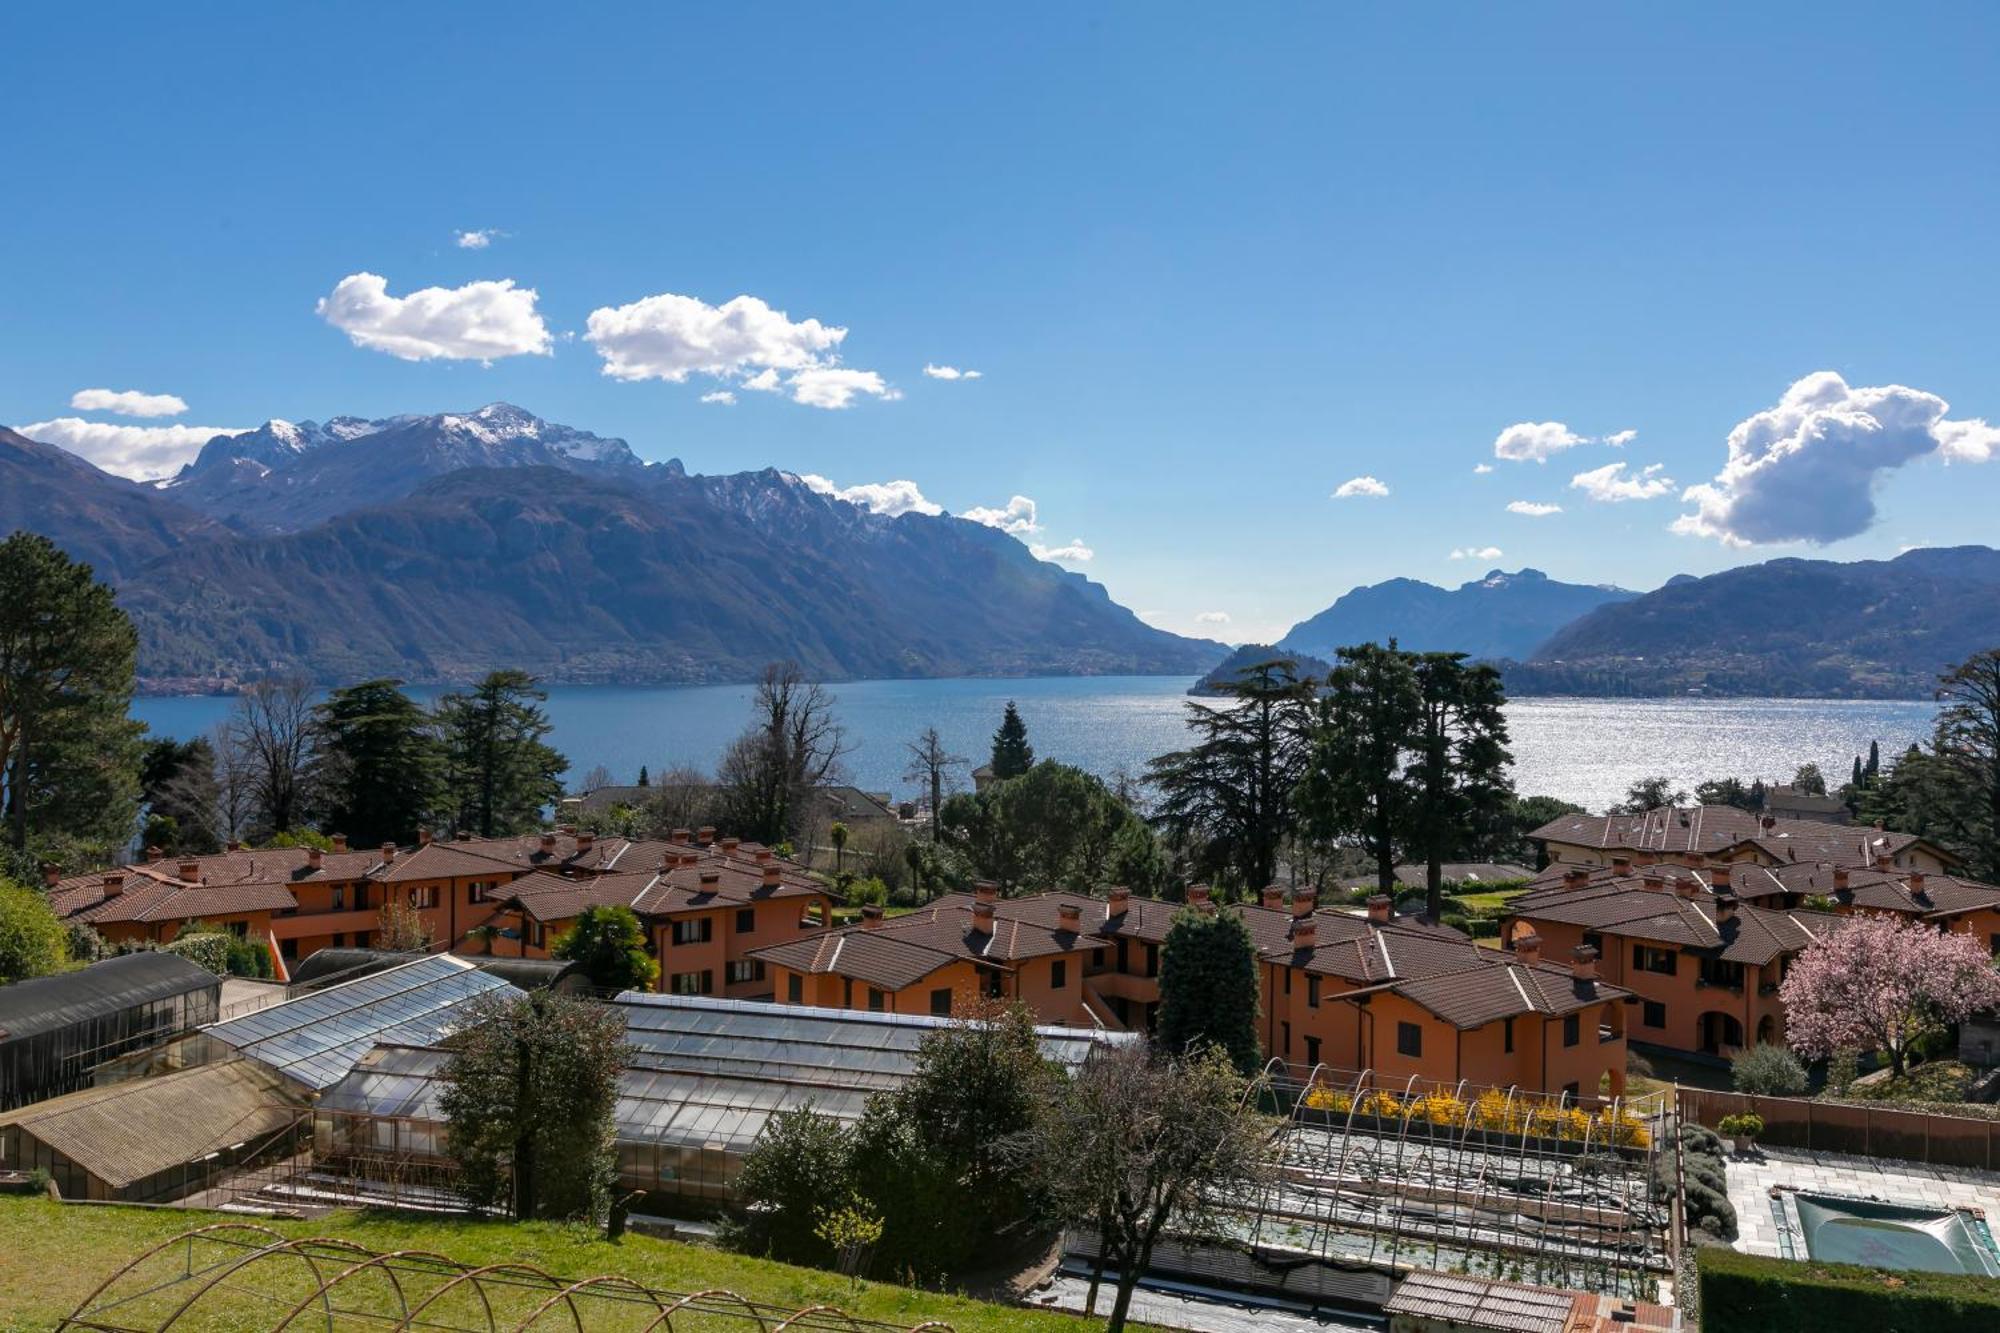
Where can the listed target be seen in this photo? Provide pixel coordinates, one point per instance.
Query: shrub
(1769, 1071)
(1745, 1293)
(1706, 1192)
(1748, 1125)
(204, 948)
(32, 942)
(799, 1169)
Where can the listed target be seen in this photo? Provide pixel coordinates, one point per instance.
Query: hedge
(1750, 1293)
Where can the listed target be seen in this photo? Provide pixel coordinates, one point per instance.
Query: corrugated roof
(47, 1003)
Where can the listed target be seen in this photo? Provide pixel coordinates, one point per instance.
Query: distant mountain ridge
(435, 548)
(1499, 616)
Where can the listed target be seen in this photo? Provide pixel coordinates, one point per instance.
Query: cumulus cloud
(722, 396)
(1481, 469)
(882, 497)
(670, 337)
(481, 321)
(1539, 441)
(477, 239)
(128, 402)
(1806, 470)
(1017, 516)
(1076, 552)
(1476, 553)
(143, 453)
(1533, 508)
(1212, 618)
(951, 373)
(1612, 484)
(1359, 487)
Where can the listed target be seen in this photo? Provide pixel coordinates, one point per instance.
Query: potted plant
(1742, 1130)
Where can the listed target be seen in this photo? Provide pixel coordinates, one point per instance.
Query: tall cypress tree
(1012, 755)
(1208, 986)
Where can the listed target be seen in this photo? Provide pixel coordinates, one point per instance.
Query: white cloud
(1532, 508)
(1212, 618)
(142, 453)
(1476, 553)
(1611, 484)
(722, 396)
(128, 402)
(477, 239)
(1359, 486)
(1017, 516)
(1481, 469)
(881, 497)
(481, 321)
(1539, 441)
(670, 337)
(1076, 552)
(1806, 470)
(951, 373)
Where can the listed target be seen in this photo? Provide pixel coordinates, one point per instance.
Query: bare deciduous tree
(793, 746)
(272, 727)
(935, 767)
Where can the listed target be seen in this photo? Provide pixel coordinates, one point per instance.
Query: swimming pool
(1840, 1229)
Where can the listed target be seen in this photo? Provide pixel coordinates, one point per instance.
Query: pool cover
(1886, 1235)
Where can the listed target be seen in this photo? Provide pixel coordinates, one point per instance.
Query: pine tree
(499, 773)
(1012, 755)
(1459, 788)
(644, 780)
(377, 771)
(1873, 768)
(1355, 784)
(1208, 987)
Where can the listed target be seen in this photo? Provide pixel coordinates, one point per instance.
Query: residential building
(1706, 833)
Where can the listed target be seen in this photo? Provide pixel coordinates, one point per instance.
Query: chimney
(1687, 886)
(585, 841)
(763, 856)
(871, 917)
(1718, 876)
(1884, 861)
(731, 844)
(773, 875)
(153, 854)
(52, 873)
(190, 871)
(711, 880)
(1622, 863)
(233, 845)
(339, 841)
(705, 834)
(986, 891)
(1652, 881)
(1725, 909)
(1304, 899)
(548, 844)
(1528, 948)
(388, 853)
(1197, 896)
(1120, 901)
(1380, 907)
(114, 883)
(1577, 877)
(1582, 962)
(1840, 879)
(423, 837)
(1069, 916)
(982, 916)
(1769, 823)
(314, 857)
(681, 835)
(463, 835)
(1274, 898)
(1916, 882)
(1305, 932)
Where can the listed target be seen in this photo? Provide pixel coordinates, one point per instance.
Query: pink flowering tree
(1883, 983)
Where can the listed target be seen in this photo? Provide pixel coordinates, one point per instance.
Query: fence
(1863, 1130)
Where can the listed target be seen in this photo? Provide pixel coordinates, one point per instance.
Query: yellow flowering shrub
(1492, 1111)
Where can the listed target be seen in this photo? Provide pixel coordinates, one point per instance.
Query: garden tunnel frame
(223, 1275)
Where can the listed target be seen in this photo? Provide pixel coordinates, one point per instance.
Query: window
(746, 921)
(1312, 992)
(750, 969)
(340, 939)
(694, 930)
(1572, 1029)
(1507, 1035)
(794, 988)
(1152, 960)
(694, 983)
(1409, 1039)
(1574, 1090)
(1652, 1014)
(1125, 960)
(339, 897)
(538, 934)
(1288, 976)
(475, 892)
(1595, 941)
(1312, 1050)
(874, 1000)
(1059, 974)
(941, 1001)
(1719, 972)
(424, 896)
(1646, 958)
(1286, 1029)
(363, 939)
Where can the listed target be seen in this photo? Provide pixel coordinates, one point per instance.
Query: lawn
(1489, 904)
(52, 1255)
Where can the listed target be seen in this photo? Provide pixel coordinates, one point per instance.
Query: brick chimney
(1652, 881)
(233, 845)
(153, 854)
(1198, 897)
(1622, 863)
(1069, 916)
(585, 840)
(705, 834)
(773, 875)
(1120, 900)
(1840, 878)
(339, 841)
(548, 844)
(423, 837)
(1884, 861)
(1528, 948)
(986, 891)
(763, 856)
(1769, 822)
(1380, 907)
(114, 883)
(681, 835)
(1305, 932)
(1304, 900)
(982, 916)
(388, 853)
(1582, 962)
(1718, 876)
(1274, 898)
(730, 844)
(52, 873)
(189, 871)
(1725, 909)
(1687, 886)
(871, 916)
(1916, 882)
(1577, 877)
(711, 880)
(314, 858)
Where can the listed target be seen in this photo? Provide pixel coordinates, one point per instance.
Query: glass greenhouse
(55, 1030)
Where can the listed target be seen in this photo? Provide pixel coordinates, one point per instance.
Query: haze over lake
(1583, 750)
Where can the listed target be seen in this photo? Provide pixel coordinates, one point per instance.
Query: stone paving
(1751, 1179)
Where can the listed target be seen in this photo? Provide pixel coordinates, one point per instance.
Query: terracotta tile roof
(434, 860)
(547, 897)
(1935, 896)
(1622, 905)
(1709, 830)
(149, 897)
(880, 958)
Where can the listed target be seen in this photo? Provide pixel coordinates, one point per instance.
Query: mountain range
(1499, 616)
(434, 548)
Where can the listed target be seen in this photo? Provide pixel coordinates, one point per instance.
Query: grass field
(52, 1255)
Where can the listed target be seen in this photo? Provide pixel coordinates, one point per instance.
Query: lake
(1582, 750)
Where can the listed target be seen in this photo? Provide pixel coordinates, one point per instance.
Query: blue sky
(1211, 263)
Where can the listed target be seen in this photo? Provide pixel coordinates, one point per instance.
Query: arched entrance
(1767, 1030)
(1721, 1033)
